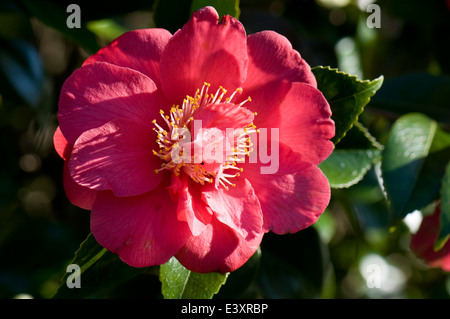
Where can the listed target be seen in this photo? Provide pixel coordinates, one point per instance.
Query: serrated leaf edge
(352, 76)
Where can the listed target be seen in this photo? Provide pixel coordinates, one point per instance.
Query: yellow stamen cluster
(179, 119)
(243, 148)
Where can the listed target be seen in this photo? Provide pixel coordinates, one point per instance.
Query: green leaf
(352, 159)
(346, 95)
(413, 163)
(181, 283)
(106, 28)
(444, 232)
(344, 168)
(99, 269)
(223, 7)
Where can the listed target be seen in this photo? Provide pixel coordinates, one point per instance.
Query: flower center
(211, 153)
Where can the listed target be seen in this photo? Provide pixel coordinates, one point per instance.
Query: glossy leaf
(181, 283)
(345, 168)
(347, 96)
(413, 163)
(99, 269)
(352, 159)
(223, 7)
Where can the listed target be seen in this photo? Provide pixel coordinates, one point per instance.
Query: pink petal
(224, 115)
(143, 230)
(191, 208)
(273, 66)
(238, 207)
(100, 92)
(116, 156)
(272, 59)
(294, 197)
(218, 248)
(302, 115)
(204, 51)
(139, 50)
(305, 123)
(80, 196)
(62, 147)
(422, 242)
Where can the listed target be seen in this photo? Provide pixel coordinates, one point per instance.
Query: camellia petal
(305, 117)
(191, 208)
(294, 197)
(143, 230)
(225, 116)
(78, 195)
(218, 248)
(116, 156)
(100, 92)
(422, 242)
(204, 50)
(139, 50)
(302, 115)
(62, 147)
(272, 59)
(238, 207)
(273, 66)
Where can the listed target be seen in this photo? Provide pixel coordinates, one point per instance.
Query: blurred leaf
(413, 163)
(21, 67)
(54, 16)
(430, 176)
(346, 95)
(223, 7)
(416, 92)
(106, 28)
(171, 14)
(99, 269)
(181, 283)
(444, 231)
(292, 265)
(348, 56)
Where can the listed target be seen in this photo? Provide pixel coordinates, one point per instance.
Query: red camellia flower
(195, 144)
(422, 242)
